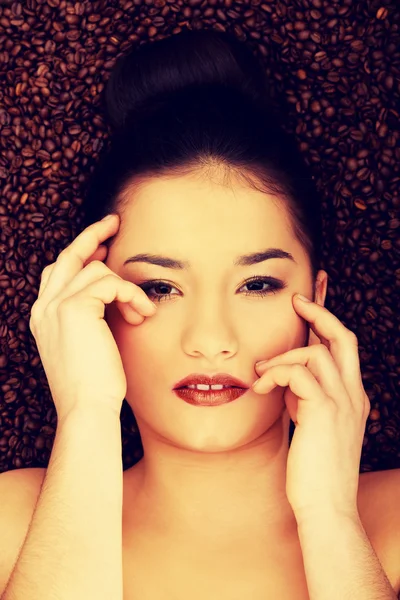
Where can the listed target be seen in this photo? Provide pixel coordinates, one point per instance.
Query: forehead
(188, 205)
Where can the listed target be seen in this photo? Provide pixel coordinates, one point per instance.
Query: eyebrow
(241, 261)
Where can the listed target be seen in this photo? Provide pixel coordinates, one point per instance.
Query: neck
(229, 495)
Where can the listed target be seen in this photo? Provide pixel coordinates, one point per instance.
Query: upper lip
(217, 379)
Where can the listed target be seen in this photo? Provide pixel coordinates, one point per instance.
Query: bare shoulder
(20, 487)
(19, 491)
(22, 482)
(379, 498)
(378, 507)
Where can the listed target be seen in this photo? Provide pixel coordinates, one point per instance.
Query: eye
(156, 283)
(274, 285)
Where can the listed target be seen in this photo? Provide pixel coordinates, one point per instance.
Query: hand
(327, 402)
(78, 351)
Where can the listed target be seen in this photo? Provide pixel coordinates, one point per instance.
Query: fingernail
(107, 218)
(300, 297)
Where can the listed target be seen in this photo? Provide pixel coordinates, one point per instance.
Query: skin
(217, 471)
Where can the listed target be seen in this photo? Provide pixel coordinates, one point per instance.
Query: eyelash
(276, 285)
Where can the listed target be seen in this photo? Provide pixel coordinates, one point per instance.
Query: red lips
(217, 379)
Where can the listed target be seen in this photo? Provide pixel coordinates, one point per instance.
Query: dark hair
(196, 101)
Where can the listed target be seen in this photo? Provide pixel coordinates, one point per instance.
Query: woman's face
(208, 320)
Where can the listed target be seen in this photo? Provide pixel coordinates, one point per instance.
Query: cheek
(129, 338)
(279, 335)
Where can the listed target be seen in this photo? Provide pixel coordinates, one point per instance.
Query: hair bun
(154, 72)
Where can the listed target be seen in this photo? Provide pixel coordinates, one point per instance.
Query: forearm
(339, 560)
(73, 549)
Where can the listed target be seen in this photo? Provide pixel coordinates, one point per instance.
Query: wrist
(325, 514)
(89, 414)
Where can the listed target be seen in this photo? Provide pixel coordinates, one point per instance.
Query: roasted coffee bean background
(334, 67)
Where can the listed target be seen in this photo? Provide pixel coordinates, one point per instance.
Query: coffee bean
(340, 87)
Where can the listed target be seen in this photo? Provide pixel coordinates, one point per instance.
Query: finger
(341, 342)
(44, 278)
(99, 254)
(72, 259)
(319, 361)
(298, 378)
(137, 299)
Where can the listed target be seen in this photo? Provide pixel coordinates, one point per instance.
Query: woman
(202, 173)
(219, 224)
(183, 167)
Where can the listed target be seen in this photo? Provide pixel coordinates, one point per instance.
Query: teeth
(202, 386)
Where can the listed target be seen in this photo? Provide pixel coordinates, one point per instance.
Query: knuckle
(298, 369)
(52, 308)
(110, 276)
(32, 324)
(367, 407)
(63, 254)
(322, 349)
(34, 314)
(36, 317)
(97, 265)
(47, 269)
(64, 309)
(353, 338)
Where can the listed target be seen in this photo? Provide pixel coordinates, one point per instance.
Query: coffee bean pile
(333, 66)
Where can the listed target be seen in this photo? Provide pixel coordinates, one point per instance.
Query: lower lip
(211, 398)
